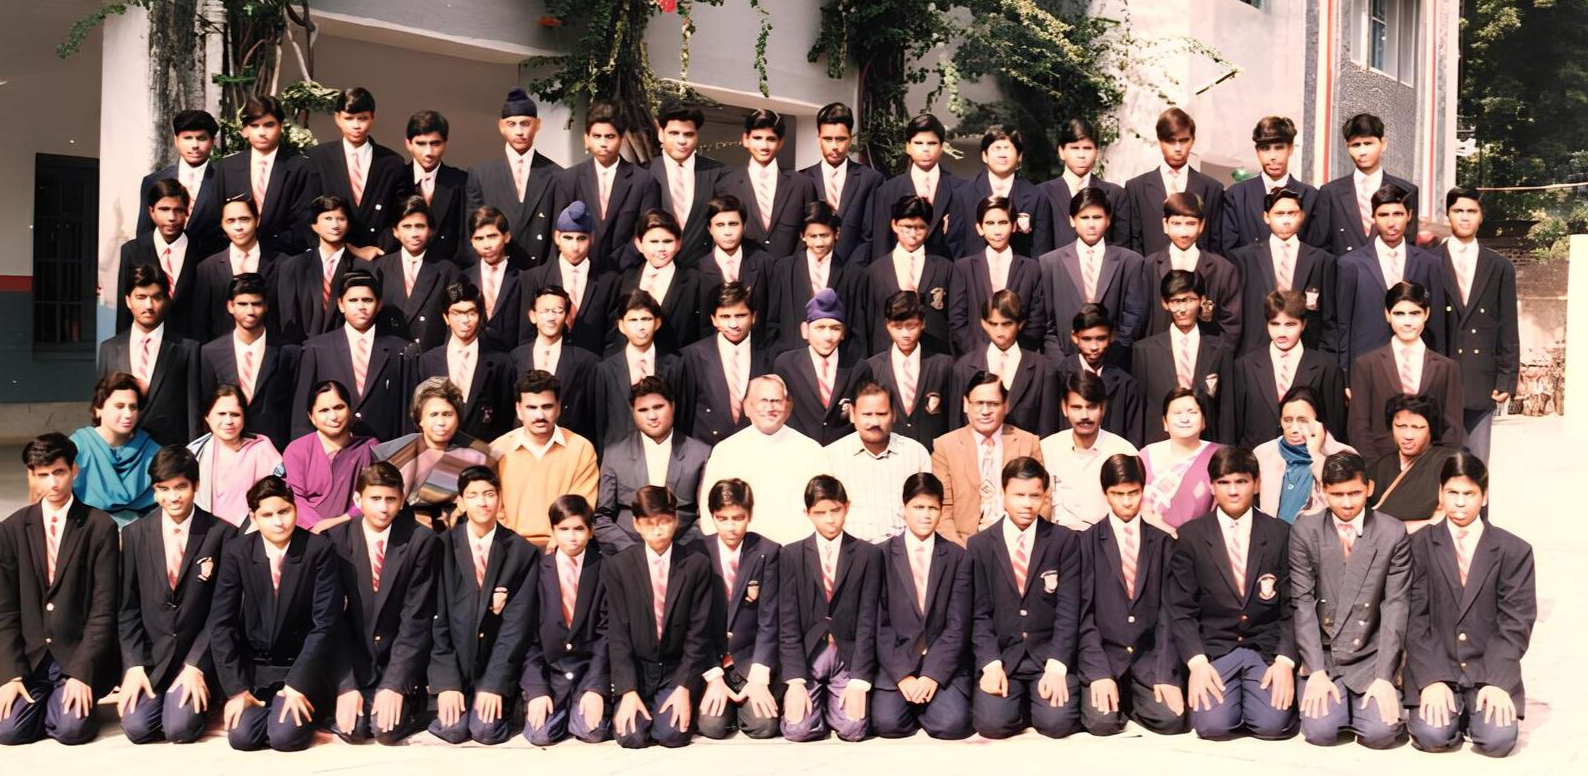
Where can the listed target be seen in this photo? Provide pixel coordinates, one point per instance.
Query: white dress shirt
(727, 351)
(818, 269)
(135, 349)
(687, 171)
(1011, 537)
(1005, 362)
(242, 261)
(1174, 183)
(729, 264)
(833, 179)
(1414, 353)
(998, 264)
(176, 260)
(372, 537)
(1078, 500)
(1076, 183)
(462, 361)
(547, 354)
(661, 279)
(908, 266)
(1186, 259)
(657, 455)
(779, 490)
(925, 180)
(574, 277)
(872, 480)
(1391, 261)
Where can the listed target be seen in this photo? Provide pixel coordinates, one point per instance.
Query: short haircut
(654, 501)
(677, 111)
(414, 205)
(46, 449)
(649, 386)
(1465, 464)
(1121, 469)
(765, 118)
(329, 386)
(258, 106)
(1234, 459)
(639, 299)
(656, 218)
(195, 121)
(248, 284)
(557, 291)
(983, 377)
(1274, 129)
(538, 381)
(1457, 193)
(1006, 303)
(819, 213)
(269, 486)
(223, 391)
(1307, 394)
(870, 388)
(1343, 467)
(174, 462)
(1391, 194)
(925, 122)
(326, 203)
(904, 306)
(994, 202)
(1086, 385)
(604, 113)
(1077, 129)
(244, 200)
(725, 203)
(730, 295)
(462, 291)
(1091, 196)
(1407, 291)
(571, 507)
(1024, 468)
(1279, 195)
(108, 385)
(1184, 204)
(485, 215)
(145, 275)
(1174, 121)
(380, 474)
(999, 132)
(435, 388)
(824, 487)
(1178, 393)
(427, 122)
(355, 100)
(1290, 303)
(359, 278)
(730, 493)
(167, 187)
(1425, 407)
(1362, 125)
(922, 484)
(910, 206)
(1091, 316)
(1179, 281)
(836, 113)
(478, 473)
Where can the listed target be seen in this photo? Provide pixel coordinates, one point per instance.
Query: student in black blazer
(988, 269)
(774, 198)
(639, 318)
(1078, 149)
(845, 185)
(676, 288)
(821, 387)
(273, 626)
(387, 563)
(1029, 212)
(209, 317)
(614, 190)
(1128, 666)
(273, 372)
(1382, 374)
(686, 180)
(796, 279)
(486, 610)
(170, 408)
(167, 247)
(920, 383)
(830, 587)
(444, 187)
(1221, 283)
(280, 180)
(1145, 193)
(502, 304)
(309, 283)
(521, 183)
(1233, 632)
(924, 138)
(1479, 318)
(412, 283)
(1029, 379)
(1091, 334)
(923, 624)
(715, 373)
(380, 401)
(1344, 198)
(1245, 203)
(732, 260)
(1472, 610)
(488, 386)
(1118, 282)
(193, 134)
(1156, 361)
(1363, 280)
(1025, 630)
(59, 621)
(364, 173)
(166, 587)
(592, 294)
(909, 267)
(551, 352)
(744, 619)
(625, 468)
(566, 680)
(1311, 273)
(1258, 382)
(660, 640)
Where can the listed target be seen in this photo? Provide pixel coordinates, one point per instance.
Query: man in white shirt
(776, 460)
(873, 463)
(1074, 457)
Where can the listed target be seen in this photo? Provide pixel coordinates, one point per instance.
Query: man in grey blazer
(651, 455)
(1350, 573)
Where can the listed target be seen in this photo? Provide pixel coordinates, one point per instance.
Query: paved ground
(1532, 478)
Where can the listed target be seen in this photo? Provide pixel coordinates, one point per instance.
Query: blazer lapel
(1445, 560)
(1071, 261)
(477, 379)
(162, 366)
(396, 551)
(935, 576)
(899, 561)
(1216, 549)
(377, 363)
(675, 581)
(1024, 378)
(1113, 555)
(364, 573)
(589, 575)
(1485, 559)
(1256, 549)
(278, 178)
(493, 569)
(198, 527)
(71, 536)
(1357, 565)
(1006, 563)
(846, 558)
(851, 182)
(292, 572)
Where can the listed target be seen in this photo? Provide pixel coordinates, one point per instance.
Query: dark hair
(258, 106)
(724, 203)
(870, 388)
(639, 299)
(380, 474)
(414, 205)
(1024, 468)
(326, 203)
(836, 113)
(223, 391)
(647, 386)
(1457, 193)
(1343, 467)
(1279, 195)
(1304, 393)
(425, 122)
(538, 381)
(1184, 204)
(478, 473)
(359, 278)
(1363, 125)
(1180, 281)
(1391, 194)
(910, 206)
(1465, 464)
(174, 462)
(328, 386)
(992, 203)
(1121, 469)
(1077, 129)
(435, 388)
(922, 484)
(108, 385)
(244, 200)
(983, 377)
(46, 449)
(1086, 385)
(999, 132)
(677, 111)
(654, 501)
(269, 486)
(1274, 129)
(167, 187)
(195, 121)
(355, 100)
(144, 275)
(1181, 392)
(824, 487)
(485, 215)
(656, 218)
(729, 295)
(1091, 196)
(1006, 303)
(604, 113)
(1226, 461)
(1407, 291)
(925, 122)
(571, 507)
(462, 291)
(1174, 121)
(820, 213)
(1426, 407)
(557, 291)
(1290, 303)
(764, 118)
(1091, 316)
(248, 284)
(730, 493)
(904, 306)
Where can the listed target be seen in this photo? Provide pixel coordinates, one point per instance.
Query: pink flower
(667, 6)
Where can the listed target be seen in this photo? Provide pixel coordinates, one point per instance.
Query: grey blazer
(1350, 614)
(623, 473)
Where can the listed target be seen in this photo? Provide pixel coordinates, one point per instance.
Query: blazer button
(482, 634)
(1130, 650)
(1243, 618)
(1131, 618)
(708, 410)
(1362, 623)
(923, 651)
(1366, 605)
(49, 607)
(1323, 600)
(1463, 665)
(1461, 637)
(377, 638)
(1328, 623)
(1474, 331)
(1022, 612)
(1475, 351)
(730, 634)
(1480, 309)
(46, 639)
(1023, 636)
(567, 647)
(1239, 639)
(421, 320)
(1459, 351)
(1356, 642)
(568, 676)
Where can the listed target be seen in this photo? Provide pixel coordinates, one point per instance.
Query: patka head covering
(518, 103)
(825, 304)
(575, 218)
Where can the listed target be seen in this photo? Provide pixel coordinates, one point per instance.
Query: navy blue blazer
(1360, 301)
(1126, 412)
(744, 620)
(482, 630)
(633, 193)
(826, 424)
(703, 400)
(1482, 334)
(1314, 276)
(936, 289)
(416, 317)
(1120, 632)
(275, 380)
(936, 396)
(1036, 397)
(299, 300)
(1242, 217)
(294, 183)
(509, 316)
(386, 182)
(855, 209)
(262, 637)
(794, 191)
(971, 287)
(931, 643)
(1026, 198)
(1121, 289)
(1025, 630)
(1342, 221)
(381, 411)
(182, 304)
(1144, 197)
(386, 634)
(1057, 194)
(566, 660)
(641, 661)
(808, 621)
(203, 216)
(1210, 617)
(488, 407)
(1224, 291)
(163, 629)
(899, 187)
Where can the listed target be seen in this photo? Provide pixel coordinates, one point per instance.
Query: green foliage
(80, 29)
(1551, 235)
(303, 98)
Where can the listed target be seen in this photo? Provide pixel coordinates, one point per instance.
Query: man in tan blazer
(969, 460)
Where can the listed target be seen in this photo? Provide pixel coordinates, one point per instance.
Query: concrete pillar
(128, 144)
(1577, 337)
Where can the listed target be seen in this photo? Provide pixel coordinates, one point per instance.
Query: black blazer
(826, 424)
(566, 661)
(208, 318)
(386, 633)
(611, 411)
(1482, 334)
(1472, 635)
(592, 325)
(1058, 196)
(789, 290)
(1342, 223)
(1313, 276)
(1224, 290)
(203, 215)
(576, 367)
(1376, 379)
(936, 396)
(855, 210)
(488, 408)
(1209, 617)
(808, 621)
(449, 214)
(415, 317)
(1254, 395)
(682, 322)
(971, 287)
(1126, 413)
(386, 182)
(531, 220)
(1120, 633)
(162, 629)
(900, 186)
(633, 193)
(1241, 222)
(704, 410)
(262, 637)
(482, 631)
(275, 381)
(294, 183)
(1036, 396)
(1359, 302)
(932, 643)
(1026, 198)
(744, 620)
(72, 618)
(170, 409)
(1144, 197)
(509, 317)
(697, 237)
(794, 192)
(182, 307)
(299, 307)
(936, 289)
(382, 409)
(1025, 630)
(755, 267)
(1121, 289)
(641, 662)
(1153, 365)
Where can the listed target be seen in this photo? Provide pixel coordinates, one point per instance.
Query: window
(1390, 38)
(65, 229)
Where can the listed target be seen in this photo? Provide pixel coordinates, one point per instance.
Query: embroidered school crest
(936, 297)
(1312, 300)
(1023, 223)
(934, 403)
(846, 408)
(206, 567)
(1206, 313)
(1211, 380)
(752, 591)
(1267, 587)
(1050, 582)
(487, 413)
(498, 600)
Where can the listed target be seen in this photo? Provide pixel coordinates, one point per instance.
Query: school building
(79, 133)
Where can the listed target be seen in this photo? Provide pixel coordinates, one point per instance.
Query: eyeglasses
(770, 404)
(985, 406)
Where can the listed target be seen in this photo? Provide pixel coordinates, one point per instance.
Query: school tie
(245, 375)
(1396, 267)
(648, 280)
(173, 556)
(1364, 208)
(1127, 558)
(920, 567)
(568, 580)
(735, 372)
(604, 186)
(642, 368)
(765, 190)
(275, 571)
(1284, 277)
(360, 364)
(427, 186)
(915, 273)
(1003, 371)
(52, 546)
(730, 269)
(923, 187)
(908, 385)
(1182, 360)
(1463, 554)
(1284, 373)
(575, 291)
(824, 381)
(989, 479)
(170, 271)
(1090, 266)
(521, 177)
(659, 593)
(410, 274)
(1235, 543)
(544, 361)
(1347, 537)
(355, 177)
(829, 572)
(1408, 383)
(818, 276)
(325, 285)
(832, 187)
(479, 566)
(998, 271)
(145, 366)
(730, 577)
(261, 181)
(1022, 562)
(189, 178)
(377, 564)
(1461, 261)
(459, 370)
(680, 195)
(1176, 182)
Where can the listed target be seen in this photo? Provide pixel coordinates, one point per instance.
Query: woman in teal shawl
(113, 455)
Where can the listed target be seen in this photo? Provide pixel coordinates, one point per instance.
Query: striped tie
(568, 579)
(734, 375)
(1022, 563)
(824, 382)
(604, 181)
(659, 593)
(907, 386)
(378, 564)
(765, 190)
(261, 181)
(410, 274)
(245, 375)
(361, 364)
(1089, 270)
(145, 368)
(170, 274)
(173, 557)
(920, 567)
(1287, 267)
(1127, 559)
(479, 566)
(275, 572)
(730, 577)
(829, 572)
(1461, 260)
(490, 282)
(681, 201)
(52, 546)
(1182, 363)
(1408, 384)
(521, 178)
(832, 189)
(1347, 537)
(1236, 544)
(1284, 374)
(1463, 555)
(325, 285)
(355, 175)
